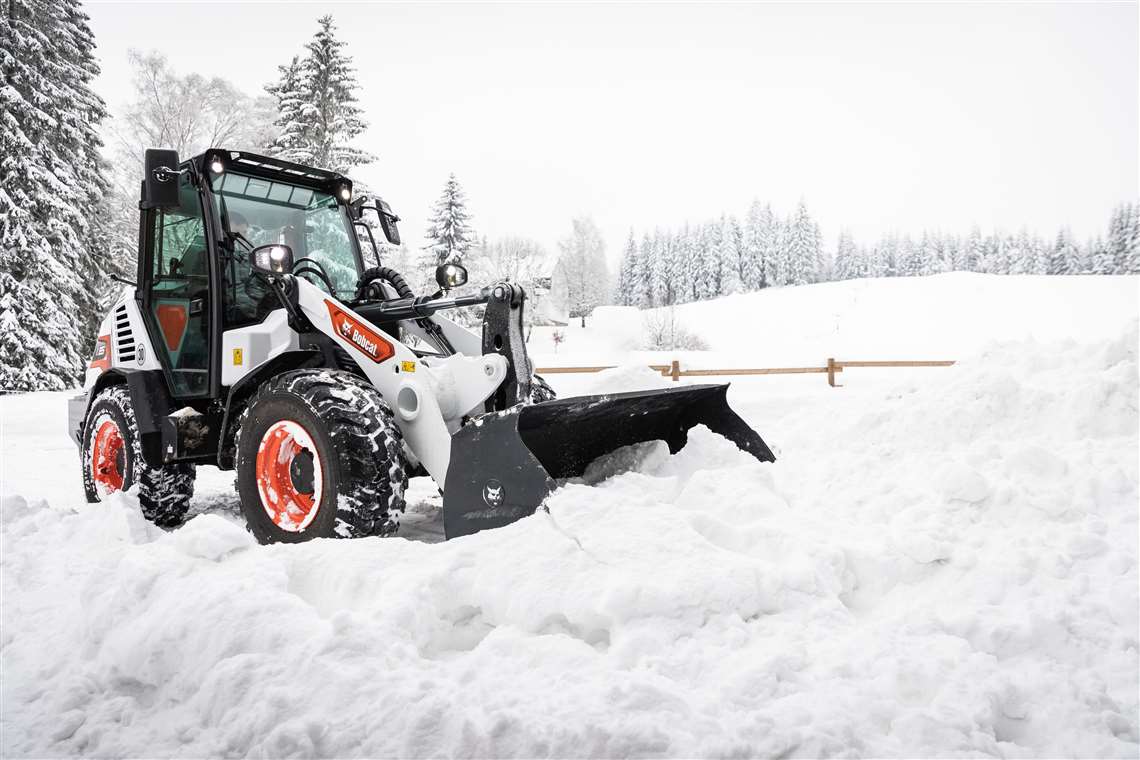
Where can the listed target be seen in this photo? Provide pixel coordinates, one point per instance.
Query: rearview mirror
(450, 276)
(272, 259)
(388, 222)
(160, 179)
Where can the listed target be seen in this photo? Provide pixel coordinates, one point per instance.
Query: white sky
(881, 116)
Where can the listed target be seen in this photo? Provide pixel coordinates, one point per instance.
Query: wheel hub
(108, 457)
(289, 475)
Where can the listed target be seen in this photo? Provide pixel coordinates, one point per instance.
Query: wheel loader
(263, 334)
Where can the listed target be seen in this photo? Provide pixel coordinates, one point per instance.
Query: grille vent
(124, 338)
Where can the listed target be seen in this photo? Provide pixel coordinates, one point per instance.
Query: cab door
(176, 290)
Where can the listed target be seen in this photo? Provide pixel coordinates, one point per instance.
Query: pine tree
(50, 187)
(974, 252)
(800, 248)
(1063, 257)
(626, 286)
(753, 275)
(292, 140)
(728, 259)
(449, 233)
(1123, 244)
(317, 105)
(847, 258)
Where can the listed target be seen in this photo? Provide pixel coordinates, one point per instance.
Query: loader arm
(430, 397)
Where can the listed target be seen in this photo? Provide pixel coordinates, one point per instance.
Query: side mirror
(388, 222)
(450, 276)
(160, 179)
(273, 259)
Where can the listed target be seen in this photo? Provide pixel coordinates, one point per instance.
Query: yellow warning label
(237, 357)
(407, 366)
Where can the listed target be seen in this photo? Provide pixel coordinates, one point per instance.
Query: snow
(940, 563)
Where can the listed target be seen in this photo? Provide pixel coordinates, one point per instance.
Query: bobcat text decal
(366, 340)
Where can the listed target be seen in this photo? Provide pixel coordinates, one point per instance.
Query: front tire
(113, 461)
(318, 456)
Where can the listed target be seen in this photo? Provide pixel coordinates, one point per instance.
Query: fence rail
(831, 369)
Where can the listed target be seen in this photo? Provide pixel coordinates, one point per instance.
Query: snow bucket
(504, 464)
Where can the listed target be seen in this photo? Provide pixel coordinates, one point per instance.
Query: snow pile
(942, 569)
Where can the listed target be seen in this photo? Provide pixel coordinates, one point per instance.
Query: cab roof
(273, 168)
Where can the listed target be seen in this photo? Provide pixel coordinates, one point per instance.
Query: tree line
(724, 256)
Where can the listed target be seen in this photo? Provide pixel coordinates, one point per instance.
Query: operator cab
(199, 223)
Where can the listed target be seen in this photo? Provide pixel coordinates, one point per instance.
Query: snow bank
(944, 568)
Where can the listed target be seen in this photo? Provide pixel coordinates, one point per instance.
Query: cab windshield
(309, 221)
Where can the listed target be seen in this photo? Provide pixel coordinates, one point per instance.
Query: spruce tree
(625, 295)
(847, 258)
(1123, 244)
(318, 115)
(1063, 257)
(292, 140)
(801, 248)
(50, 187)
(728, 260)
(449, 233)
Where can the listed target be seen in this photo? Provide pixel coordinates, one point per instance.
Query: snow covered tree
(848, 261)
(800, 250)
(728, 259)
(185, 112)
(1063, 256)
(625, 292)
(50, 187)
(449, 233)
(1100, 259)
(289, 95)
(974, 251)
(318, 115)
(1123, 242)
(515, 259)
(581, 279)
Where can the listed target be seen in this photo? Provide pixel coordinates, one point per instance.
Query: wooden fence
(831, 369)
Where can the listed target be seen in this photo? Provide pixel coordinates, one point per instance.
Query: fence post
(831, 372)
(675, 370)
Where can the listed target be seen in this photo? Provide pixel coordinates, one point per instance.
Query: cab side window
(180, 289)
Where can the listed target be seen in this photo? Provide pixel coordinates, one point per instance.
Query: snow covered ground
(943, 562)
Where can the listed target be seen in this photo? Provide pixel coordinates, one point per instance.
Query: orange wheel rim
(289, 476)
(108, 457)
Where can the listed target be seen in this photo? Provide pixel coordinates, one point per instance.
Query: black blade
(504, 464)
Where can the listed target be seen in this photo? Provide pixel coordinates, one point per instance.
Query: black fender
(243, 389)
(150, 400)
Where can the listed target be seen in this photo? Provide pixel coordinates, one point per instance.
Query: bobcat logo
(493, 493)
(346, 330)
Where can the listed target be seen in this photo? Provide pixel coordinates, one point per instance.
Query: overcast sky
(880, 116)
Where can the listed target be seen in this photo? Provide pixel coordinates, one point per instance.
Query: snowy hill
(943, 316)
(940, 563)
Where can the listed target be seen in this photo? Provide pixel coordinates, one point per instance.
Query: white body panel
(245, 348)
(129, 342)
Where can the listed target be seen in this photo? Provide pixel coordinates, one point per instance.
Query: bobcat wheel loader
(255, 338)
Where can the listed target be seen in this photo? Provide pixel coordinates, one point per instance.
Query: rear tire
(113, 461)
(318, 455)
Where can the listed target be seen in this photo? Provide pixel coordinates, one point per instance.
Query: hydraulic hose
(388, 275)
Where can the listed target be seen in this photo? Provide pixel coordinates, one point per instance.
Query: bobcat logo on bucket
(362, 337)
(493, 493)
